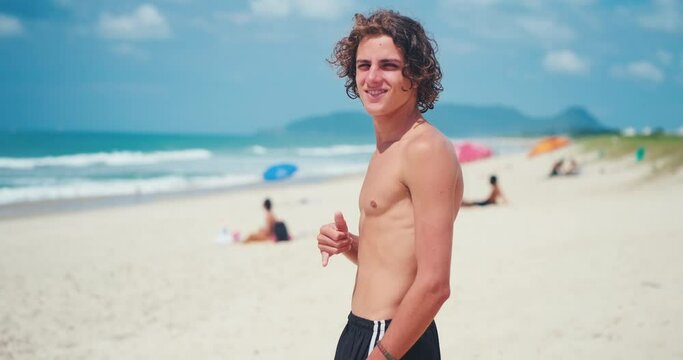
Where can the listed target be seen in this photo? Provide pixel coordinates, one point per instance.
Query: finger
(326, 258)
(333, 234)
(331, 251)
(340, 223)
(325, 240)
(326, 226)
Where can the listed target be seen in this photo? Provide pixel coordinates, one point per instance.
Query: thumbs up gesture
(334, 238)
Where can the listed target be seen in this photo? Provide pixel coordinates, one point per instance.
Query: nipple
(373, 204)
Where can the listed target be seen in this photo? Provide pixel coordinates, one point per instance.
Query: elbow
(444, 293)
(439, 291)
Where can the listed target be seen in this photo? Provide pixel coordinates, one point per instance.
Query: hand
(334, 238)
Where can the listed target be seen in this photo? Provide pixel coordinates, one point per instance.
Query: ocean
(44, 167)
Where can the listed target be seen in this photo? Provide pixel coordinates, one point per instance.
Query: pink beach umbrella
(468, 151)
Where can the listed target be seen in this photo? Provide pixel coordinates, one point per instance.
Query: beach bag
(280, 230)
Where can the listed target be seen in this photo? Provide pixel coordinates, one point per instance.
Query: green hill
(461, 121)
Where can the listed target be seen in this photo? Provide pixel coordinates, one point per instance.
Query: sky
(201, 66)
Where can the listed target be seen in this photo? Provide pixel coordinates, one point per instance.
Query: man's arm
(433, 178)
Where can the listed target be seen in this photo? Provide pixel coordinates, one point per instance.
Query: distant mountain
(347, 122)
(461, 121)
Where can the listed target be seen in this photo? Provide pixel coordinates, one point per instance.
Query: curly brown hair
(419, 51)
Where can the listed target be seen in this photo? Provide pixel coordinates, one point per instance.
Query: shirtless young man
(409, 199)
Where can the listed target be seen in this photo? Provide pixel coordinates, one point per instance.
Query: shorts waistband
(366, 324)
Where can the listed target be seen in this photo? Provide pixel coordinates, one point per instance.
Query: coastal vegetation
(663, 152)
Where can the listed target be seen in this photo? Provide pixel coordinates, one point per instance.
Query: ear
(413, 86)
(413, 83)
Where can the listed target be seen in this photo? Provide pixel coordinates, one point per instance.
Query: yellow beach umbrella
(549, 144)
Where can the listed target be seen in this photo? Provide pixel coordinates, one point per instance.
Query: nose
(374, 74)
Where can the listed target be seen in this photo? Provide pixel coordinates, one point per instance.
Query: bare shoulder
(427, 143)
(432, 174)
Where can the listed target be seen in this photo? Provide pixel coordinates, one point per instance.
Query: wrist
(384, 351)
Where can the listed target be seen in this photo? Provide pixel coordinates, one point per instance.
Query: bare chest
(383, 188)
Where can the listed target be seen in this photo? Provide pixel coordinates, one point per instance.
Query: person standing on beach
(409, 198)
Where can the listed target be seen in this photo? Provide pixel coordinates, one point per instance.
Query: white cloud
(10, 26)
(271, 8)
(565, 61)
(665, 17)
(664, 57)
(546, 29)
(315, 9)
(511, 20)
(321, 9)
(640, 70)
(511, 4)
(146, 22)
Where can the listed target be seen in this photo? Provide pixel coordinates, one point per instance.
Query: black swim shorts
(361, 335)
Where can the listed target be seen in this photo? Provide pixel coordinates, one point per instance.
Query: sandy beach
(582, 267)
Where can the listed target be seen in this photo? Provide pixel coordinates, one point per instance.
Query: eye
(389, 66)
(363, 66)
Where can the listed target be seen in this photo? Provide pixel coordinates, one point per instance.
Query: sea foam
(84, 188)
(336, 150)
(115, 158)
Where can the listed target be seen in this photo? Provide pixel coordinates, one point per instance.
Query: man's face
(379, 76)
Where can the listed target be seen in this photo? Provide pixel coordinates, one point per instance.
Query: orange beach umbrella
(549, 144)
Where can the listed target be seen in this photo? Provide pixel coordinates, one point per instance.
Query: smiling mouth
(377, 92)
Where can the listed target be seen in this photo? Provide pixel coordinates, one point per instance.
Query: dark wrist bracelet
(384, 351)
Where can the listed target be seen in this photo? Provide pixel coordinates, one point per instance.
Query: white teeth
(375, 92)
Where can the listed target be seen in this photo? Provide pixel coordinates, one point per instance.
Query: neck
(389, 128)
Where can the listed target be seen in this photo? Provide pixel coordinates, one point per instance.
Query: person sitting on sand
(273, 230)
(573, 168)
(496, 194)
(557, 168)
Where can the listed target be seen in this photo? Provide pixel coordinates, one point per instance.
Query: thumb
(340, 223)
(326, 258)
